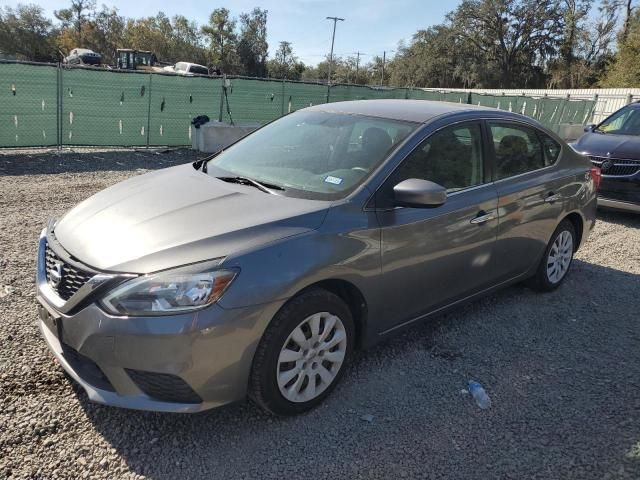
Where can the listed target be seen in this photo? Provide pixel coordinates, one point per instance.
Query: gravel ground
(562, 369)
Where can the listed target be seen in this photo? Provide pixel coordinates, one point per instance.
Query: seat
(448, 161)
(513, 156)
(376, 142)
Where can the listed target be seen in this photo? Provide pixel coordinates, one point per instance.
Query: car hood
(179, 216)
(616, 146)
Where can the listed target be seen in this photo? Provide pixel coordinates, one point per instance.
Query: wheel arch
(352, 296)
(578, 225)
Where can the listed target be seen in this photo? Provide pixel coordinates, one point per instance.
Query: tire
(285, 363)
(562, 246)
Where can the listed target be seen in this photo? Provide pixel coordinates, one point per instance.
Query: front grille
(86, 368)
(621, 167)
(164, 387)
(72, 277)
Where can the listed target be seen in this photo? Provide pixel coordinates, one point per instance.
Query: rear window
(198, 70)
(518, 149)
(551, 149)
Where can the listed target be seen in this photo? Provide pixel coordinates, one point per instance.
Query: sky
(370, 26)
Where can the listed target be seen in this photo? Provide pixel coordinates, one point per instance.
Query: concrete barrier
(570, 132)
(214, 136)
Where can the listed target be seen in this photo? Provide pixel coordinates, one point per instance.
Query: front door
(434, 256)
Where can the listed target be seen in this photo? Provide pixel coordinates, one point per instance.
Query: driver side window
(451, 157)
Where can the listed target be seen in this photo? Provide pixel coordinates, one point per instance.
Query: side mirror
(589, 128)
(419, 193)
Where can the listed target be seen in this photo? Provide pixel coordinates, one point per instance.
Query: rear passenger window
(451, 157)
(199, 70)
(517, 148)
(551, 149)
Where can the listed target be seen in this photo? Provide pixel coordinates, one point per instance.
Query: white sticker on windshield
(334, 180)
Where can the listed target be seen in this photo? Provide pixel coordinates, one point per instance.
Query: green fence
(28, 105)
(551, 112)
(49, 104)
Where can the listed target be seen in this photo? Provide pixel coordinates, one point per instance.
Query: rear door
(434, 256)
(531, 194)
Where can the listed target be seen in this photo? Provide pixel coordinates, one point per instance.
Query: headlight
(169, 292)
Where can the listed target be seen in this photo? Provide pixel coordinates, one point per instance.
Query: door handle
(552, 197)
(482, 217)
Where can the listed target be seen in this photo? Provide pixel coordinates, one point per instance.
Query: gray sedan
(258, 272)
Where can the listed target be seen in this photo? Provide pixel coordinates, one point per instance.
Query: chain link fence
(57, 105)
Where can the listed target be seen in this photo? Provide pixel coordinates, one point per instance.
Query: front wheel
(557, 258)
(302, 354)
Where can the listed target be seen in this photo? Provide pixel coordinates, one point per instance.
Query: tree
(625, 71)
(285, 64)
(186, 42)
(102, 33)
(378, 75)
(353, 70)
(321, 71)
(437, 58)
(222, 39)
(574, 13)
(171, 39)
(77, 16)
(108, 31)
(515, 37)
(585, 48)
(252, 45)
(150, 33)
(628, 8)
(26, 33)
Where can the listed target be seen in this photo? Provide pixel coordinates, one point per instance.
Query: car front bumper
(620, 192)
(618, 205)
(180, 363)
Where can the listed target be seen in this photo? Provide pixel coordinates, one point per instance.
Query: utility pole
(358, 63)
(333, 37)
(284, 62)
(384, 59)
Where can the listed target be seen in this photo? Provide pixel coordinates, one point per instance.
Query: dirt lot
(562, 369)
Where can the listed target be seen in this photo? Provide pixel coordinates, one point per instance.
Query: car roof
(191, 64)
(409, 110)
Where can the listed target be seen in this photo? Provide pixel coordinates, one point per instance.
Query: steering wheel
(361, 169)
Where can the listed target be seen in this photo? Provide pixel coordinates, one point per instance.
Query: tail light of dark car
(595, 176)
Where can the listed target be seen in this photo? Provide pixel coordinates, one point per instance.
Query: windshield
(624, 122)
(315, 155)
(181, 66)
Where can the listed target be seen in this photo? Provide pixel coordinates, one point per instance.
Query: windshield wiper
(265, 187)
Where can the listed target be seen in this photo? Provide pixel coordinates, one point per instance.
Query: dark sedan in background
(614, 146)
(83, 56)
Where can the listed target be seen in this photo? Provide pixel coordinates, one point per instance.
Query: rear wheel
(557, 258)
(302, 354)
